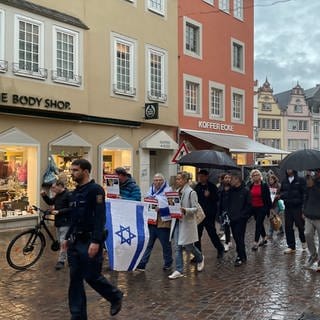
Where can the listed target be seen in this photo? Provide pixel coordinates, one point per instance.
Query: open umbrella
(208, 159)
(305, 159)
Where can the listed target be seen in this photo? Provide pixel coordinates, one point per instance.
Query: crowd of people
(80, 221)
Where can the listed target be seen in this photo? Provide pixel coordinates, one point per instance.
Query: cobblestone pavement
(271, 286)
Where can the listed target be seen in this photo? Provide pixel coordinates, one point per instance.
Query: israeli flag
(128, 233)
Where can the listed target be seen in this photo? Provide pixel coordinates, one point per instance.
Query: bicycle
(26, 248)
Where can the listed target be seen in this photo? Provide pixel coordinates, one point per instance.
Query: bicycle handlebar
(44, 212)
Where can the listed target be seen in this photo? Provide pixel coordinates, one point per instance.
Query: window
(65, 56)
(192, 95)
(224, 5)
(297, 125)
(123, 65)
(192, 38)
(216, 100)
(157, 60)
(274, 143)
(316, 129)
(237, 105)
(209, 2)
(3, 63)
(266, 106)
(238, 9)
(297, 144)
(297, 108)
(268, 124)
(29, 48)
(157, 6)
(237, 55)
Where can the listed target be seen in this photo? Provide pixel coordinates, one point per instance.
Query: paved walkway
(271, 286)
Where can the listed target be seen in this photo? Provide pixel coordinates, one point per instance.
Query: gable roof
(45, 12)
(283, 99)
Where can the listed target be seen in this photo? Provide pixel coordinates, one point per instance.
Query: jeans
(293, 215)
(238, 228)
(259, 214)
(209, 224)
(89, 269)
(178, 250)
(163, 235)
(61, 234)
(312, 225)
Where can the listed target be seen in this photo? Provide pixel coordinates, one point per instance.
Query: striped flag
(128, 233)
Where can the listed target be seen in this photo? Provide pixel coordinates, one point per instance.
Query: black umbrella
(306, 159)
(208, 159)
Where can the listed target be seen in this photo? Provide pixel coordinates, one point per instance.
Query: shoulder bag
(200, 215)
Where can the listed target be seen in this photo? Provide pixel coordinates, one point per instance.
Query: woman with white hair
(261, 205)
(161, 228)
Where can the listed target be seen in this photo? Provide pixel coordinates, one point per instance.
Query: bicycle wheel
(25, 249)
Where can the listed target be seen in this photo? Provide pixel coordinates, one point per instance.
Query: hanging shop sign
(151, 111)
(31, 101)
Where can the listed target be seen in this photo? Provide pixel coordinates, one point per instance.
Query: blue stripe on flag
(140, 234)
(109, 240)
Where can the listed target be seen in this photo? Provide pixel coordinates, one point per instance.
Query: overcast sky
(287, 43)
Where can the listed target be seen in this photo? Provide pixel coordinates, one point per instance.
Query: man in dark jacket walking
(239, 210)
(208, 198)
(292, 192)
(311, 211)
(62, 213)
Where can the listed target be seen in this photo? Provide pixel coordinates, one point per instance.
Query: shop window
(63, 157)
(113, 159)
(18, 180)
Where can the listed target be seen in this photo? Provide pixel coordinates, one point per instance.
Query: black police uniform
(88, 226)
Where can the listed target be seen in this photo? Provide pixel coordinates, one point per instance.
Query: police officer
(84, 242)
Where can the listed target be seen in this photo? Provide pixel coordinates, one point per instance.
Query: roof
(283, 99)
(45, 12)
(234, 143)
(312, 92)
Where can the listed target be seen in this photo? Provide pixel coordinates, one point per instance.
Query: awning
(234, 143)
(158, 140)
(71, 140)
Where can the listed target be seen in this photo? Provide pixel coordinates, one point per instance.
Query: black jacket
(223, 202)
(239, 203)
(293, 193)
(208, 204)
(88, 213)
(311, 208)
(61, 203)
(265, 195)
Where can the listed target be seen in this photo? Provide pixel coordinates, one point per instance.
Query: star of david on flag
(128, 233)
(125, 235)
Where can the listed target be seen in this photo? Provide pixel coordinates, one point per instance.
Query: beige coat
(188, 230)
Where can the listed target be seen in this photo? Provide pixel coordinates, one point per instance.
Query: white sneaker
(226, 247)
(175, 275)
(304, 246)
(289, 250)
(200, 265)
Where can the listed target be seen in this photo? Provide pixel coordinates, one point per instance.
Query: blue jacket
(129, 190)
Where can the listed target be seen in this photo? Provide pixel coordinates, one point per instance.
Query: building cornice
(67, 116)
(45, 12)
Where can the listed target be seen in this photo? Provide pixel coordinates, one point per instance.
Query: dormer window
(297, 108)
(266, 107)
